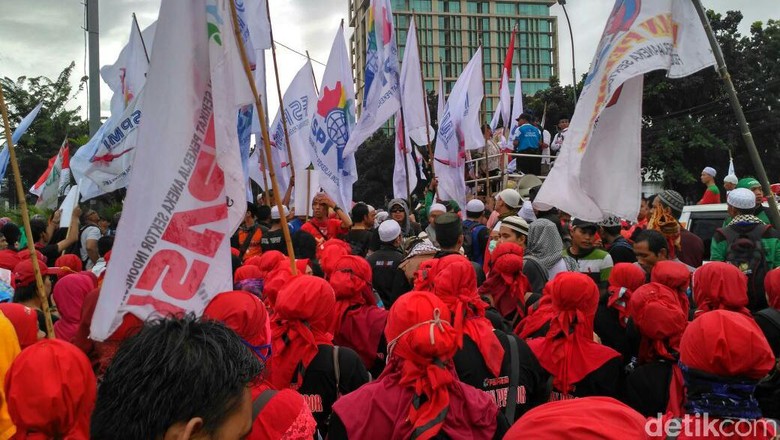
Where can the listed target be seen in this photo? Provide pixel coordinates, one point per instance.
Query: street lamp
(573, 68)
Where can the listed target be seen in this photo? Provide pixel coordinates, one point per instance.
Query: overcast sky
(41, 37)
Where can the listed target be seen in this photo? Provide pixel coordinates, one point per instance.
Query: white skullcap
(475, 205)
(742, 198)
(731, 179)
(275, 212)
(710, 170)
(437, 207)
(389, 231)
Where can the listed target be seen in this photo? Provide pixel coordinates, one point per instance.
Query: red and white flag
(172, 253)
(504, 108)
(597, 173)
(54, 180)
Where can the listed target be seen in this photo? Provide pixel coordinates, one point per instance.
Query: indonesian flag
(504, 108)
(54, 180)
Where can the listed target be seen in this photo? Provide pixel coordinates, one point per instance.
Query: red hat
(24, 320)
(719, 285)
(24, 275)
(266, 262)
(246, 272)
(24, 254)
(659, 319)
(772, 288)
(245, 314)
(71, 261)
(8, 259)
(676, 276)
(623, 280)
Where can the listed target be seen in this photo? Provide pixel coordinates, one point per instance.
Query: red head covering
(245, 314)
(71, 261)
(266, 262)
(286, 416)
(69, 294)
(106, 350)
(506, 282)
(332, 250)
(574, 298)
(24, 254)
(51, 391)
(246, 272)
(456, 285)
(577, 419)
(358, 321)
(8, 259)
(676, 276)
(726, 344)
(656, 313)
(276, 279)
(772, 288)
(24, 320)
(719, 285)
(623, 280)
(303, 316)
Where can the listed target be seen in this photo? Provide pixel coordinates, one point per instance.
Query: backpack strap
(261, 401)
(772, 315)
(247, 241)
(337, 370)
(514, 379)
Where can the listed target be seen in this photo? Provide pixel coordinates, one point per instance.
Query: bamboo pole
(290, 162)
(316, 87)
(266, 139)
(747, 136)
(404, 140)
(265, 179)
(26, 219)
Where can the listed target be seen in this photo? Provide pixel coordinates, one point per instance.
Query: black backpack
(468, 238)
(745, 251)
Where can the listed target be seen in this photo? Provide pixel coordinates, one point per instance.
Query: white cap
(710, 170)
(389, 231)
(731, 179)
(475, 205)
(516, 224)
(511, 198)
(437, 207)
(742, 198)
(275, 212)
(370, 208)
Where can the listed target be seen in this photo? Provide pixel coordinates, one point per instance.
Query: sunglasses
(397, 210)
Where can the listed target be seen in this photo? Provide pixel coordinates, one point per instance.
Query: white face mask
(492, 245)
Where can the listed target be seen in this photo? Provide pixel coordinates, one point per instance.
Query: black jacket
(384, 265)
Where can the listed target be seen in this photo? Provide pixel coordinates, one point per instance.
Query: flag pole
(141, 36)
(316, 87)
(266, 139)
(406, 163)
(265, 179)
(482, 125)
(290, 162)
(26, 219)
(425, 104)
(747, 136)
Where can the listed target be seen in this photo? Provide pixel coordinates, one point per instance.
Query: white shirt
(91, 232)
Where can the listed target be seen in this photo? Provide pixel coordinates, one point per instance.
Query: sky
(41, 37)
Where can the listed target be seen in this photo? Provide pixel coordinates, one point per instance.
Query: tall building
(450, 31)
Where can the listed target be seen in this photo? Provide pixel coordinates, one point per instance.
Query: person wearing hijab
(418, 395)
(507, 285)
(399, 211)
(676, 276)
(25, 289)
(359, 322)
(612, 317)
(69, 294)
(723, 355)
(544, 248)
(25, 322)
(51, 392)
(579, 366)
(330, 253)
(484, 358)
(284, 413)
(588, 418)
(9, 349)
(655, 385)
(769, 318)
(304, 357)
(249, 278)
(718, 285)
(266, 262)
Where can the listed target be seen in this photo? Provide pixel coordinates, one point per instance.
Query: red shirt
(323, 230)
(711, 196)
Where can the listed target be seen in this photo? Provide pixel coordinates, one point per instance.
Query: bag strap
(337, 370)
(247, 241)
(514, 379)
(773, 315)
(261, 401)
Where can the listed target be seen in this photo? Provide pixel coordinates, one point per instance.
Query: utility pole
(93, 31)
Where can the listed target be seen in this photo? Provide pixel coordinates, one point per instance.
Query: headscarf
(9, 349)
(506, 282)
(245, 314)
(276, 279)
(70, 261)
(25, 322)
(587, 418)
(676, 276)
(723, 355)
(358, 322)
(456, 285)
(623, 280)
(661, 322)
(51, 392)
(303, 316)
(286, 416)
(568, 351)
(406, 227)
(69, 294)
(331, 252)
(246, 272)
(719, 285)
(267, 261)
(544, 244)
(772, 288)
(663, 221)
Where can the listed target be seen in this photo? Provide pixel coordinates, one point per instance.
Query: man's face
(728, 186)
(582, 238)
(238, 424)
(433, 215)
(759, 192)
(397, 213)
(647, 258)
(248, 217)
(3, 242)
(93, 216)
(320, 210)
(369, 219)
(507, 235)
(705, 178)
(643, 209)
(563, 124)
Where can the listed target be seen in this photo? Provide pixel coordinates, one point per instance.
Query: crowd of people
(502, 321)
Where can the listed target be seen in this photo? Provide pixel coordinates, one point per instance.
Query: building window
(504, 8)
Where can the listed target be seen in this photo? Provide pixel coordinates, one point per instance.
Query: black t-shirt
(360, 240)
(273, 241)
(771, 330)
(532, 383)
(536, 275)
(51, 252)
(647, 388)
(607, 326)
(384, 266)
(42, 320)
(319, 381)
(603, 381)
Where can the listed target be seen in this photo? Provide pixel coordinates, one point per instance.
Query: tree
(54, 123)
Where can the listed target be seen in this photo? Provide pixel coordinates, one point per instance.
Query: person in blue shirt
(526, 139)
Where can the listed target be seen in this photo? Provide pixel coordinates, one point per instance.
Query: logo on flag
(332, 107)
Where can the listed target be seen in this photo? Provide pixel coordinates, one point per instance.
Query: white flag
(517, 106)
(332, 124)
(381, 90)
(126, 77)
(503, 110)
(173, 249)
(403, 152)
(414, 99)
(258, 23)
(459, 130)
(53, 180)
(604, 138)
(70, 202)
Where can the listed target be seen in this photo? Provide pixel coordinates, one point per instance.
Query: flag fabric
(24, 124)
(381, 90)
(597, 173)
(459, 130)
(244, 132)
(126, 77)
(173, 251)
(331, 125)
(414, 98)
(52, 182)
(517, 107)
(403, 152)
(258, 23)
(504, 108)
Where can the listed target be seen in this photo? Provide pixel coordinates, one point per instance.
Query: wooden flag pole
(26, 219)
(290, 162)
(266, 139)
(316, 87)
(265, 179)
(747, 136)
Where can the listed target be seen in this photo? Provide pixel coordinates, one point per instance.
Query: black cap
(447, 223)
(584, 224)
